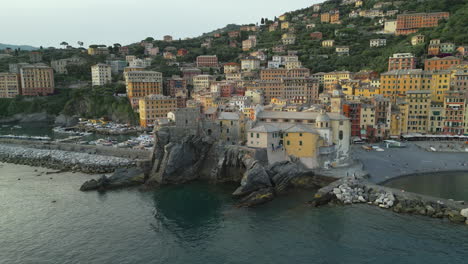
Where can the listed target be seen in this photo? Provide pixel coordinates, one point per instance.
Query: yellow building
(285, 25)
(328, 43)
(142, 83)
(436, 118)
(417, 111)
(98, 51)
(418, 39)
(282, 17)
(302, 142)
(9, 85)
(367, 91)
(394, 84)
(440, 84)
(155, 106)
(331, 79)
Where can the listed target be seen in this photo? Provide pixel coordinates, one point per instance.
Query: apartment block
(37, 80)
(9, 85)
(207, 61)
(411, 23)
(101, 74)
(402, 61)
(142, 83)
(155, 106)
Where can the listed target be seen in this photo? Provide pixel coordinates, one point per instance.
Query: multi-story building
(417, 111)
(94, 51)
(140, 63)
(402, 61)
(248, 44)
(142, 83)
(394, 84)
(331, 79)
(231, 67)
(167, 38)
(155, 106)
(176, 86)
(417, 40)
(60, 66)
(202, 82)
(444, 63)
(440, 85)
(455, 110)
(37, 80)
(101, 74)
(9, 85)
(250, 64)
(459, 81)
(390, 26)
(288, 38)
(352, 110)
(207, 61)
(278, 74)
(436, 118)
(378, 43)
(411, 23)
(189, 73)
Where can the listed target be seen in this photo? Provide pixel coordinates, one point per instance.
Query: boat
(367, 148)
(16, 127)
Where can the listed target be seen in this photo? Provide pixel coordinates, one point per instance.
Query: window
(300, 143)
(300, 134)
(251, 135)
(288, 143)
(341, 135)
(258, 135)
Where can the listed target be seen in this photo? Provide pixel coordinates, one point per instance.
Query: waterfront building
(155, 106)
(455, 111)
(101, 74)
(417, 111)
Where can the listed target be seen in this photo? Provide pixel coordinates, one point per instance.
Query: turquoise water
(448, 185)
(197, 223)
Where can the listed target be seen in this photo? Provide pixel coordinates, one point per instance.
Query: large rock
(464, 212)
(282, 173)
(121, 178)
(258, 197)
(255, 178)
(178, 162)
(455, 216)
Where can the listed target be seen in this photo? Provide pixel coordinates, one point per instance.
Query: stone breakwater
(63, 160)
(352, 190)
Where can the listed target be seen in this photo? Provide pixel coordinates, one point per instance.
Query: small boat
(17, 127)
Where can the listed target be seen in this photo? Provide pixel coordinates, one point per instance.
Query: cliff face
(178, 159)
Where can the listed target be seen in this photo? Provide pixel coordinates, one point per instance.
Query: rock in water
(464, 212)
(258, 197)
(120, 179)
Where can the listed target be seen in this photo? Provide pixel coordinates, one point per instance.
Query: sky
(49, 22)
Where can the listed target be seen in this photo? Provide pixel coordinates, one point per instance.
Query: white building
(250, 64)
(377, 43)
(140, 63)
(101, 74)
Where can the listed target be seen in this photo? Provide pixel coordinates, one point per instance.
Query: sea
(44, 218)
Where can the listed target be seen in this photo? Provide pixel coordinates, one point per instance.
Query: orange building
(142, 83)
(411, 23)
(437, 63)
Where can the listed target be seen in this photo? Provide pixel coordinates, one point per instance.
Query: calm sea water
(197, 223)
(449, 185)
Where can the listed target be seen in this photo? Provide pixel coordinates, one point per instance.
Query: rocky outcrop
(352, 190)
(178, 162)
(121, 178)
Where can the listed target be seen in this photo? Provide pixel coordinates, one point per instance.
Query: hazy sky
(49, 22)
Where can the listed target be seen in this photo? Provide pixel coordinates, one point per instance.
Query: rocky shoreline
(62, 160)
(354, 190)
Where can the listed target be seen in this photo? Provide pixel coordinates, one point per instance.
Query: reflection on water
(448, 185)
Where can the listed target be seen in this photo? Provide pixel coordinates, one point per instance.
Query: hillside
(355, 32)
